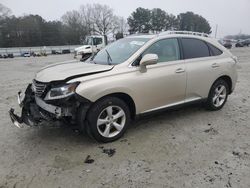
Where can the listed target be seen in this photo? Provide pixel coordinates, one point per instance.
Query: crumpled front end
(36, 110)
(29, 115)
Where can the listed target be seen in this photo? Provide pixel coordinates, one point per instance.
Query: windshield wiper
(109, 57)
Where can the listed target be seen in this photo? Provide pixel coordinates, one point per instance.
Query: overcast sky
(232, 16)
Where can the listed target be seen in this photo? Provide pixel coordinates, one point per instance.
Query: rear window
(194, 48)
(214, 51)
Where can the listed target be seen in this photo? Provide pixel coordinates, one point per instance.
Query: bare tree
(72, 18)
(123, 25)
(86, 12)
(103, 18)
(119, 27)
(4, 11)
(94, 19)
(75, 29)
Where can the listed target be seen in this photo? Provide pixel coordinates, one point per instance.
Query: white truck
(92, 44)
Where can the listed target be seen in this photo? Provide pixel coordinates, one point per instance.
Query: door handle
(180, 70)
(215, 65)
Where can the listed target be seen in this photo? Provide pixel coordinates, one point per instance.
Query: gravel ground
(188, 147)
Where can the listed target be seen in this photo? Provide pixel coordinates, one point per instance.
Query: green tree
(158, 20)
(172, 22)
(4, 13)
(139, 21)
(193, 22)
(52, 34)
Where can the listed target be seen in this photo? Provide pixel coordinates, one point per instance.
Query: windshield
(88, 41)
(119, 51)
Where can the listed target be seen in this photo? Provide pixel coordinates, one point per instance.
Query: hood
(82, 47)
(69, 70)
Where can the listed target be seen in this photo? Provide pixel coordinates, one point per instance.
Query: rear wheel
(108, 119)
(218, 95)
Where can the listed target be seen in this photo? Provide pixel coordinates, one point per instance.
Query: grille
(38, 88)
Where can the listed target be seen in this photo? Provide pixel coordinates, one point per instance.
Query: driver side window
(166, 49)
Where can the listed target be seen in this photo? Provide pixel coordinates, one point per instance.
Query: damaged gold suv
(132, 76)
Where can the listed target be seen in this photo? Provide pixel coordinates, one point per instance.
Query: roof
(148, 36)
(172, 34)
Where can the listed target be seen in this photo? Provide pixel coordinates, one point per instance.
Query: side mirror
(149, 59)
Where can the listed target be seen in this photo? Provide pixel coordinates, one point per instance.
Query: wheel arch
(227, 79)
(125, 98)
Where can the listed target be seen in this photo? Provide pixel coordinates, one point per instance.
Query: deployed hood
(69, 70)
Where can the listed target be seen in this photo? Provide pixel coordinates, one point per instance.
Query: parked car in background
(54, 52)
(9, 55)
(35, 54)
(239, 43)
(132, 76)
(246, 42)
(66, 51)
(226, 43)
(26, 54)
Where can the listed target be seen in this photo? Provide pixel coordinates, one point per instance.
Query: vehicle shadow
(167, 115)
(68, 135)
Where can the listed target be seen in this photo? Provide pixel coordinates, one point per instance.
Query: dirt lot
(189, 147)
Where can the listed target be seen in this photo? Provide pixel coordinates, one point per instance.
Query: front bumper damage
(36, 111)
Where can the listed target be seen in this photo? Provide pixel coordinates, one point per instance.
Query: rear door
(202, 66)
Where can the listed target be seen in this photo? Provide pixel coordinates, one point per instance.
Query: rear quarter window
(214, 51)
(194, 48)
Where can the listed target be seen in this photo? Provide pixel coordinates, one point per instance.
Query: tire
(218, 95)
(108, 119)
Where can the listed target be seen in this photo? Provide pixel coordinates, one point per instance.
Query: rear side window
(194, 48)
(214, 51)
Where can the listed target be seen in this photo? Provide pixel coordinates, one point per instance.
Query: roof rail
(184, 32)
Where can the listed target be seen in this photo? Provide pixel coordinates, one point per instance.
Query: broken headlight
(61, 92)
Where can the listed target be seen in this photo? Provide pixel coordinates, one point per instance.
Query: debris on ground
(241, 155)
(109, 152)
(88, 160)
(236, 153)
(211, 130)
(209, 179)
(124, 140)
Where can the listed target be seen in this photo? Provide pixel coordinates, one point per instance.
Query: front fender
(95, 92)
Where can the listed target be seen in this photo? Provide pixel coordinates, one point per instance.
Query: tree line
(75, 25)
(156, 20)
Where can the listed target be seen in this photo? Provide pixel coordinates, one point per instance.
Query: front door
(163, 84)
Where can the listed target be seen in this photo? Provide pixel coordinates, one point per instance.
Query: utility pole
(216, 29)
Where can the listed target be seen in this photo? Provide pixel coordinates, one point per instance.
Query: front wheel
(108, 119)
(218, 95)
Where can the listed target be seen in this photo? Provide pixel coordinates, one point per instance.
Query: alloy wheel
(220, 95)
(111, 121)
